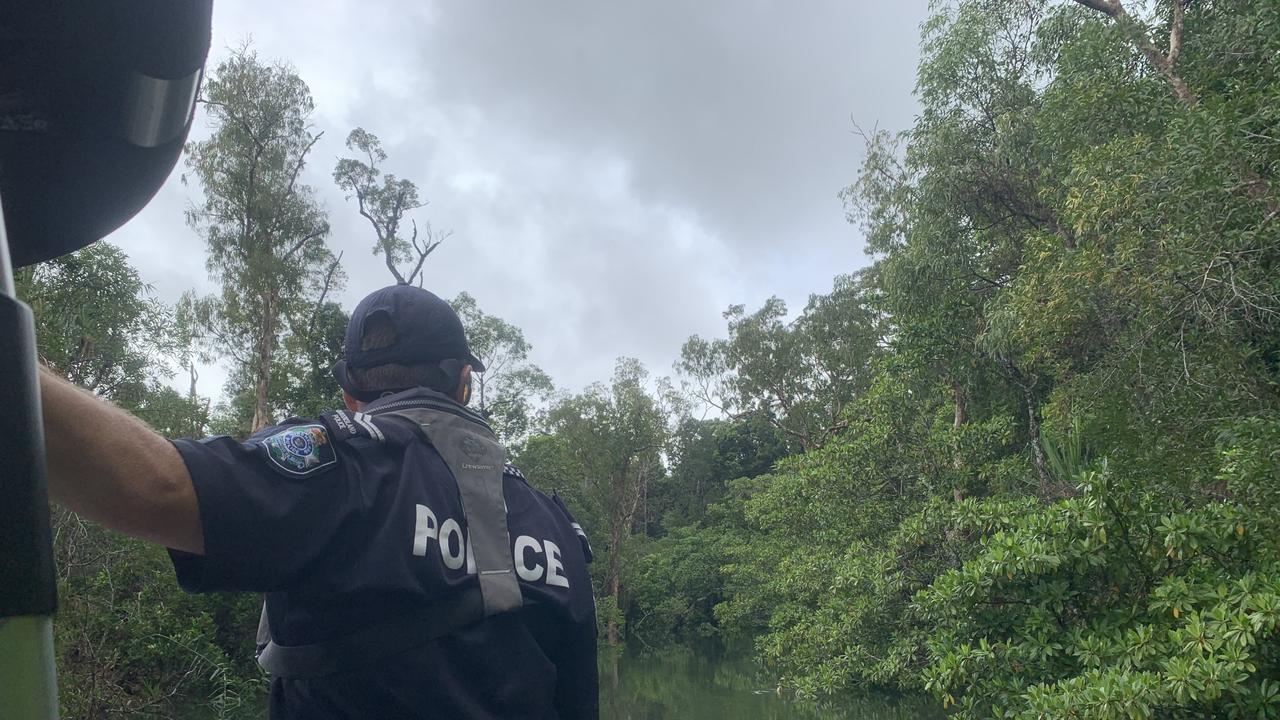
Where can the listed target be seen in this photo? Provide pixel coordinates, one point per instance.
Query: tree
(1095, 212)
(263, 227)
(604, 450)
(304, 384)
(384, 200)
(308, 386)
(800, 374)
(705, 455)
(505, 391)
(97, 324)
(1165, 63)
(129, 641)
(950, 217)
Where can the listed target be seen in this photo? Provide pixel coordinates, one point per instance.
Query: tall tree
(384, 200)
(950, 218)
(505, 392)
(605, 449)
(303, 384)
(800, 373)
(264, 229)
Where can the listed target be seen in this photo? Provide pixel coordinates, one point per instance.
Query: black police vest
(476, 459)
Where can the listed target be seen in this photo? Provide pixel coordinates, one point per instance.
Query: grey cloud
(740, 110)
(615, 174)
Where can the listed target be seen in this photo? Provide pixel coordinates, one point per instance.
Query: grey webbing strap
(377, 642)
(476, 459)
(264, 628)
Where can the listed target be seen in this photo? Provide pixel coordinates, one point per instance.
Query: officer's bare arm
(111, 468)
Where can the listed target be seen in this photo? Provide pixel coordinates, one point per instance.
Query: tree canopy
(1024, 462)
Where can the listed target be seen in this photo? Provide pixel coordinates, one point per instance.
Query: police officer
(409, 571)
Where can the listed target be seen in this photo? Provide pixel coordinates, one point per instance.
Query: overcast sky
(615, 174)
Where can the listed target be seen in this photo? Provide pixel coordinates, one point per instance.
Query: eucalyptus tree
(385, 200)
(603, 451)
(263, 227)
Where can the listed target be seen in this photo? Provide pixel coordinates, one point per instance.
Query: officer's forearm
(111, 468)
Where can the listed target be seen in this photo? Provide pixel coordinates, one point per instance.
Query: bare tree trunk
(261, 409)
(616, 591)
(961, 417)
(1037, 447)
(390, 259)
(1162, 63)
(620, 527)
(644, 505)
(1048, 487)
(191, 398)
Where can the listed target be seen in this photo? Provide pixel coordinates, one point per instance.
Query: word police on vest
(448, 536)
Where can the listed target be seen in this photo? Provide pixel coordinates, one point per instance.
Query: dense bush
(130, 643)
(1056, 494)
(1117, 603)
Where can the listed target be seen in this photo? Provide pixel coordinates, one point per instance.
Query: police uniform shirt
(355, 518)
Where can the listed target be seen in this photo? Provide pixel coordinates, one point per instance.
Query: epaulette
(514, 472)
(349, 424)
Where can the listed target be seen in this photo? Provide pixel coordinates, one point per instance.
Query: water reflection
(683, 685)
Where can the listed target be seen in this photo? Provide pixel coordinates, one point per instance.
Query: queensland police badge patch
(300, 450)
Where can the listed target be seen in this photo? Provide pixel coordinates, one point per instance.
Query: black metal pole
(28, 594)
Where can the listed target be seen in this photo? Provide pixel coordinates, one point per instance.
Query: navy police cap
(427, 331)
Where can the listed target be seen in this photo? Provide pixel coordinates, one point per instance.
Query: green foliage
(264, 229)
(1118, 603)
(97, 325)
(384, 200)
(675, 586)
(840, 538)
(1076, 251)
(610, 620)
(130, 643)
(800, 373)
(603, 451)
(306, 363)
(506, 391)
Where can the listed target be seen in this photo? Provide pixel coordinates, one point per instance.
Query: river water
(683, 685)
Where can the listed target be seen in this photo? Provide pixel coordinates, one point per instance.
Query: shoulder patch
(347, 424)
(300, 450)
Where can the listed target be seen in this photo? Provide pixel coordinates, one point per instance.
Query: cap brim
(340, 374)
(474, 362)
